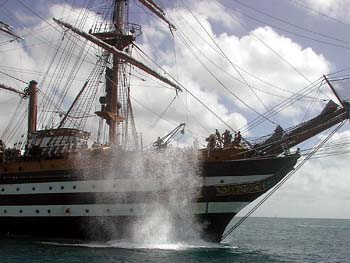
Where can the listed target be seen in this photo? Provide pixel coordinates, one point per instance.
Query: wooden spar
(8, 29)
(152, 6)
(32, 106)
(335, 93)
(118, 53)
(21, 93)
(305, 131)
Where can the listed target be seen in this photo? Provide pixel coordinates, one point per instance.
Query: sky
(240, 58)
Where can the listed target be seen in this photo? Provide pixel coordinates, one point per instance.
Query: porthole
(74, 187)
(2, 189)
(86, 210)
(67, 211)
(17, 189)
(33, 188)
(20, 211)
(108, 210)
(37, 211)
(48, 211)
(222, 181)
(50, 187)
(131, 210)
(62, 187)
(5, 211)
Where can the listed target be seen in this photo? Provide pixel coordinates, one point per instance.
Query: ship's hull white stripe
(117, 186)
(112, 209)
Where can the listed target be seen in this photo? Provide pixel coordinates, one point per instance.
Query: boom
(280, 141)
(21, 93)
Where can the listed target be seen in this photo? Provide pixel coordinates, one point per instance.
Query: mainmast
(117, 39)
(119, 22)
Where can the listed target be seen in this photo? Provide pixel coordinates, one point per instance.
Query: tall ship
(63, 180)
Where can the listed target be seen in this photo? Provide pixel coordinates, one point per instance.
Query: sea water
(257, 240)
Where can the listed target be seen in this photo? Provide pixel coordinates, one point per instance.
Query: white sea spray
(168, 215)
(171, 217)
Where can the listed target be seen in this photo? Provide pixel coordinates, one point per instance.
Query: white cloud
(212, 11)
(246, 52)
(337, 8)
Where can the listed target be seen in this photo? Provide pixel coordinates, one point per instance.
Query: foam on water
(179, 246)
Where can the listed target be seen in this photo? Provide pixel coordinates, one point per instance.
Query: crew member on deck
(211, 143)
(227, 137)
(238, 138)
(218, 138)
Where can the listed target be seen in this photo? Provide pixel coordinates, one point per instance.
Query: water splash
(171, 219)
(168, 217)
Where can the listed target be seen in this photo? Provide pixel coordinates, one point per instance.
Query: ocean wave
(153, 246)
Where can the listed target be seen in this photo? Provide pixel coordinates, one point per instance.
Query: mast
(32, 106)
(119, 22)
(116, 39)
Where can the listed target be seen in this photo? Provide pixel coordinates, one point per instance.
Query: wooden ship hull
(89, 193)
(84, 205)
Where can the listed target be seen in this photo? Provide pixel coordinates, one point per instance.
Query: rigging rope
(297, 99)
(320, 13)
(183, 38)
(280, 106)
(218, 3)
(279, 184)
(13, 77)
(240, 68)
(195, 97)
(295, 33)
(231, 63)
(163, 112)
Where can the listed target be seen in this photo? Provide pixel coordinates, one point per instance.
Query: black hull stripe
(99, 229)
(111, 198)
